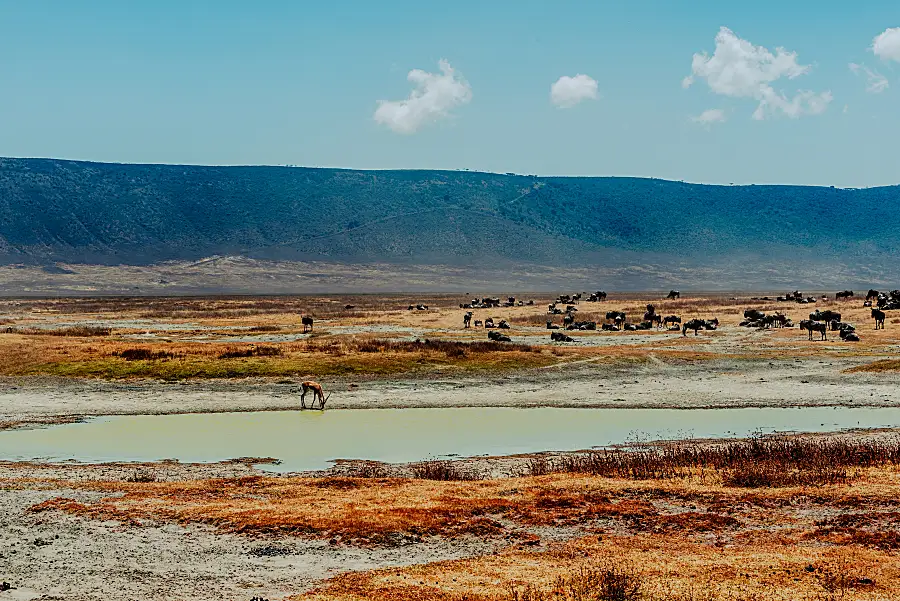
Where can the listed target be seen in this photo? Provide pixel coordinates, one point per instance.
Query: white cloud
(886, 44)
(569, 91)
(432, 98)
(739, 69)
(710, 116)
(876, 83)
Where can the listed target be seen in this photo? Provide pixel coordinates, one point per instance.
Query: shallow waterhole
(309, 440)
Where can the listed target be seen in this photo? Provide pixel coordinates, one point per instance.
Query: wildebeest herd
(820, 321)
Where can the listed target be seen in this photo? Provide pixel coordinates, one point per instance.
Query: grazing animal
(693, 324)
(615, 315)
(568, 320)
(560, 337)
(872, 295)
(318, 394)
(878, 315)
(489, 322)
(498, 337)
(844, 294)
(827, 315)
(817, 326)
(467, 319)
(673, 294)
(552, 326)
(805, 325)
(503, 325)
(754, 315)
(671, 319)
(307, 322)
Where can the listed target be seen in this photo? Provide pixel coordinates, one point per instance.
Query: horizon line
(443, 170)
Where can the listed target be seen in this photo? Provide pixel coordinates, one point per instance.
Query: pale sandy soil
(714, 384)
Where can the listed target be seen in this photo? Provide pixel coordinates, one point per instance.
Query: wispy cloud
(886, 44)
(739, 69)
(433, 97)
(567, 91)
(876, 83)
(710, 116)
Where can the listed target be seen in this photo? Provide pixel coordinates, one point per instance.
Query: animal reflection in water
(318, 394)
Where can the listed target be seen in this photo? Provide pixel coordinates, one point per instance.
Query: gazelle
(317, 391)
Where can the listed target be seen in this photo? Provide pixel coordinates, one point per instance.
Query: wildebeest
(489, 322)
(618, 316)
(673, 294)
(503, 325)
(844, 294)
(560, 337)
(552, 326)
(307, 322)
(583, 325)
(598, 296)
(568, 320)
(753, 314)
(872, 294)
(693, 324)
(609, 327)
(878, 315)
(498, 337)
(479, 323)
(815, 326)
(467, 319)
(827, 315)
(671, 319)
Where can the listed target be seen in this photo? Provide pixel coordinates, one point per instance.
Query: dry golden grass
(183, 353)
(689, 536)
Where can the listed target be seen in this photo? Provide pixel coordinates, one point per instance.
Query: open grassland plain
(811, 518)
(69, 357)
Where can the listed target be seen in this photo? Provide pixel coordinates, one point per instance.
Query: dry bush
(78, 331)
(610, 582)
(142, 476)
(445, 471)
(251, 351)
(143, 354)
(753, 463)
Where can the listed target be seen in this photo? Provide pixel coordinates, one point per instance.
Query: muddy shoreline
(718, 384)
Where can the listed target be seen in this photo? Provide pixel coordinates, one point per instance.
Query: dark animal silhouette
(815, 326)
(693, 324)
(489, 322)
(467, 319)
(616, 316)
(552, 326)
(872, 294)
(307, 322)
(671, 319)
(878, 315)
(844, 294)
(503, 325)
(827, 315)
(673, 294)
(560, 337)
(498, 337)
(754, 315)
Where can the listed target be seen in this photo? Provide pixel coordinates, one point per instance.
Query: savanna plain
(789, 516)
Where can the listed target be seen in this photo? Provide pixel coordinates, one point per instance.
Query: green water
(305, 440)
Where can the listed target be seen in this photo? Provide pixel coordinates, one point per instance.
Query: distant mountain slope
(54, 210)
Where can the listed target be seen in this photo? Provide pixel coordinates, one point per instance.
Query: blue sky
(295, 82)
